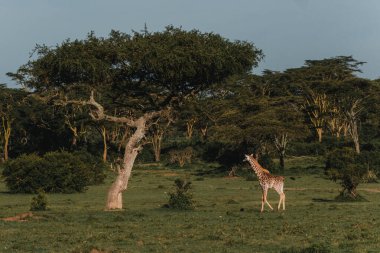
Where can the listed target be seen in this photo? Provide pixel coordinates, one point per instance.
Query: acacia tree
(156, 135)
(143, 75)
(10, 102)
(317, 108)
(352, 117)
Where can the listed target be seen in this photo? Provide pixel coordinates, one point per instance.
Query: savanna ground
(226, 217)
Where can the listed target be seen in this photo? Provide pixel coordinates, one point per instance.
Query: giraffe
(267, 181)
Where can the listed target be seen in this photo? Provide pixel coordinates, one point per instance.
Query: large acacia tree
(134, 78)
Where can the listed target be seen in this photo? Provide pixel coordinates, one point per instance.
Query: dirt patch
(172, 174)
(369, 190)
(20, 217)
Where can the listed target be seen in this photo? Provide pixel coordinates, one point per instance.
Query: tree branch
(98, 112)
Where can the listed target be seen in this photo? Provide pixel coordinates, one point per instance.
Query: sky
(288, 31)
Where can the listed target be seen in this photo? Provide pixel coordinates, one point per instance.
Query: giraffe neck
(256, 168)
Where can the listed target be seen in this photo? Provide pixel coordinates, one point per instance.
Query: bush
(57, 172)
(347, 167)
(181, 198)
(39, 202)
(95, 167)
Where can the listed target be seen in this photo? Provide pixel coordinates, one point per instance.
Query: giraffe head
(248, 158)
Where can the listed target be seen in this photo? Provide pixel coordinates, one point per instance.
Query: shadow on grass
(342, 198)
(323, 200)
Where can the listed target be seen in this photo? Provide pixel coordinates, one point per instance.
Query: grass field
(226, 218)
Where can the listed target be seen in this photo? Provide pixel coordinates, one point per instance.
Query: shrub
(39, 202)
(181, 198)
(347, 167)
(61, 172)
(95, 167)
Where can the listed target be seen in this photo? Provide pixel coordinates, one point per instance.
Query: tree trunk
(190, 126)
(357, 145)
(114, 199)
(104, 137)
(353, 130)
(280, 144)
(319, 132)
(6, 143)
(282, 162)
(156, 143)
(74, 141)
(7, 134)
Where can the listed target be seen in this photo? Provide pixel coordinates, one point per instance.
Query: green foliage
(54, 172)
(347, 167)
(140, 70)
(39, 202)
(95, 167)
(307, 148)
(266, 161)
(181, 198)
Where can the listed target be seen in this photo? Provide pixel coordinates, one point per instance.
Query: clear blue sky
(288, 31)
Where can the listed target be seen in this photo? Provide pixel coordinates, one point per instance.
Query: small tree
(181, 198)
(39, 202)
(347, 167)
(316, 107)
(181, 156)
(352, 117)
(281, 144)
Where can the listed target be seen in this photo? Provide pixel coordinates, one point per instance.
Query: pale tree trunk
(114, 199)
(317, 106)
(132, 148)
(353, 130)
(319, 133)
(74, 131)
(7, 134)
(204, 133)
(103, 132)
(352, 121)
(281, 144)
(190, 127)
(157, 137)
(156, 143)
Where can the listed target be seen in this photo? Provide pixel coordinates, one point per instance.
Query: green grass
(226, 218)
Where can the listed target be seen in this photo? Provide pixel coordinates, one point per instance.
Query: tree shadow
(323, 200)
(341, 198)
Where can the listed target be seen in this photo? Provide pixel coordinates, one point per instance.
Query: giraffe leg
(265, 199)
(279, 202)
(282, 200)
(262, 202)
